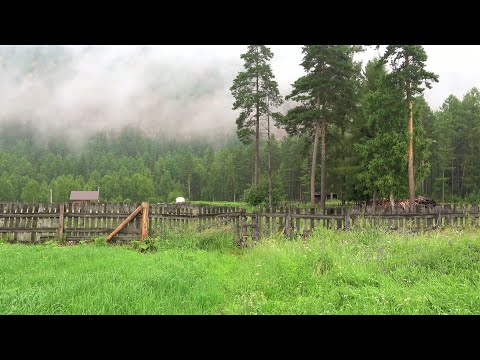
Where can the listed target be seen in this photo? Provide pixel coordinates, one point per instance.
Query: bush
(258, 194)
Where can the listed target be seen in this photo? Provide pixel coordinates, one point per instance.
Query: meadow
(367, 271)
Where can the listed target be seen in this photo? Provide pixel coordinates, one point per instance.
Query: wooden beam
(125, 222)
(145, 207)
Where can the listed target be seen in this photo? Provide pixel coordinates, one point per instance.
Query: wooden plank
(446, 215)
(281, 218)
(9, 222)
(312, 221)
(151, 220)
(471, 216)
(91, 221)
(22, 208)
(75, 211)
(287, 222)
(33, 223)
(274, 220)
(339, 211)
(297, 220)
(454, 215)
(60, 221)
(418, 219)
(137, 222)
(267, 222)
(29, 229)
(259, 221)
(125, 209)
(15, 222)
(347, 220)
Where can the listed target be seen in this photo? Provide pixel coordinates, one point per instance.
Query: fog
(80, 90)
(176, 91)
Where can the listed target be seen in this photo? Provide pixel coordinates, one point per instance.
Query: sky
(179, 90)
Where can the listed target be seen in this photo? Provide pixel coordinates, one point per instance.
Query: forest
(358, 113)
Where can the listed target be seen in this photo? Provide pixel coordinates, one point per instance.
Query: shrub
(258, 194)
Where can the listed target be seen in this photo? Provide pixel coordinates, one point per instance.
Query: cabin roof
(84, 195)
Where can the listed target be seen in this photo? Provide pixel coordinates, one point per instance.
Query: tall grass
(333, 272)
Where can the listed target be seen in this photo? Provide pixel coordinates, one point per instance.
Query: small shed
(328, 196)
(80, 197)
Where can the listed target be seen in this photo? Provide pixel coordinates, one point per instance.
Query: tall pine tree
(328, 86)
(408, 64)
(254, 89)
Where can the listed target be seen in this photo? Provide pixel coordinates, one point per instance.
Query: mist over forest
(77, 92)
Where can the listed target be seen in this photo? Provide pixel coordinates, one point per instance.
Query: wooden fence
(73, 222)
(303, 221)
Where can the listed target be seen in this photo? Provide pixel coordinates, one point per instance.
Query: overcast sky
(457, 65)
(179, 90)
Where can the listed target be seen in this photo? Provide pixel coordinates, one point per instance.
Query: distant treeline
(133, 167)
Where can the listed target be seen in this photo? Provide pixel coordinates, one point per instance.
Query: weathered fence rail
(38, 222)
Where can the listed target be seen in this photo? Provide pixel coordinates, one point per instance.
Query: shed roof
(84, 195)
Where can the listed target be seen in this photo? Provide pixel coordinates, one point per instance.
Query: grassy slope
(365, 272)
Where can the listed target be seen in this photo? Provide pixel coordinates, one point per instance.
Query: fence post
(312, 221)
(439, 217)
(61, 220)
(259, 223)
(347, 219)
(287, 221)
(145, 206)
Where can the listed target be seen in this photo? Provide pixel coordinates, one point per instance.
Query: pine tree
(328, 87)
(408, 64)
(254, 89)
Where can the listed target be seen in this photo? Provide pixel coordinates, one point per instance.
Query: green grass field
(362, 272)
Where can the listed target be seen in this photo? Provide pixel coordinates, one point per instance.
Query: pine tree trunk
(344, 178)
(314, 165)
(323, 164)
(411, 178)
(257, 140)
(269, 159)
(443, 186)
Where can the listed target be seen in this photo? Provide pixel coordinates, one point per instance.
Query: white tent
(179, 200)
